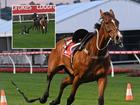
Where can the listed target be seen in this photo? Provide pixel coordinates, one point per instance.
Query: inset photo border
(33, 26)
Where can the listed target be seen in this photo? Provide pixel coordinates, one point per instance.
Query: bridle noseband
(97, 42)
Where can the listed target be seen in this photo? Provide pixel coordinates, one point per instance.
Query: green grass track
(34, 86)
(35, 39)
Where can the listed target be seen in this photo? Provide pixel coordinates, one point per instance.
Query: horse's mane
(97, 26)
(107, 13)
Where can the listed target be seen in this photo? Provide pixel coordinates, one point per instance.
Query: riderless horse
(43, 24)
(90, 64)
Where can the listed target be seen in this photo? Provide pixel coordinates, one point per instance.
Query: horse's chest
(93, 75)
(94, 70)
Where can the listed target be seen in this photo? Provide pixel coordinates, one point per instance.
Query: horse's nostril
(117, 37)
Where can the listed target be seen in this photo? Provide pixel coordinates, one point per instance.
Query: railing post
(30, 63)
(13, 63)
(137, 57)
(112, 69)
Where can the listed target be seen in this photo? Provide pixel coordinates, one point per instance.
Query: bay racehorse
(43, 24)
(90, 64)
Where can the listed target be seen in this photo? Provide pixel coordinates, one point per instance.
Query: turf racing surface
(35, 39)
(87, 94)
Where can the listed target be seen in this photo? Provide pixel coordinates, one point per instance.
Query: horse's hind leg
(66, 81)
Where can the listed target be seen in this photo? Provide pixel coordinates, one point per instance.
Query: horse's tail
(23, 95)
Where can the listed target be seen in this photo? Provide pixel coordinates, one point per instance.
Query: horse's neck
(43, 21)
(102, 41)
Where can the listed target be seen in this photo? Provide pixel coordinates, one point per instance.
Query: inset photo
(5, 23)
(33, 26)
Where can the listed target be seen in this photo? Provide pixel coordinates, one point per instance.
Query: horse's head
(111, 27)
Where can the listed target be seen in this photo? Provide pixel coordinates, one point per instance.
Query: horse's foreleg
(101, 88)
(46, 30)
(42, 30)
(43, 99)
(66, 81)
(75, 85)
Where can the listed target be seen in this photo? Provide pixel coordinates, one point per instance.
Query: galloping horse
(90, 64)
(43, 24)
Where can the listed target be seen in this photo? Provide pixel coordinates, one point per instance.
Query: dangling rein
(26, 99)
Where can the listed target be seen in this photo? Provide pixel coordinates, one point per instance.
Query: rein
(96, 57)
(23, 95)
(97, 42)
(100, 49)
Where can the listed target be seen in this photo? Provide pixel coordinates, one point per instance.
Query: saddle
(81, 36)
(72, 47)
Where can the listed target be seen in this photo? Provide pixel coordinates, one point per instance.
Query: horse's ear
(112, 13)
(101, 13)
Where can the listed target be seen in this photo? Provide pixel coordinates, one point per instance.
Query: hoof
(54, 103)
(42, 100)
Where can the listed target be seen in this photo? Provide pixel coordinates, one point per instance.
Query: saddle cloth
(69, 47)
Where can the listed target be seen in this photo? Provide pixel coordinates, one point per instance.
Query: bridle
(97, 41)
(100, 49)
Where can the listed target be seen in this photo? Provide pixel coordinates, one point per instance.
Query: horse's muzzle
(120, 44)
(119, 41)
